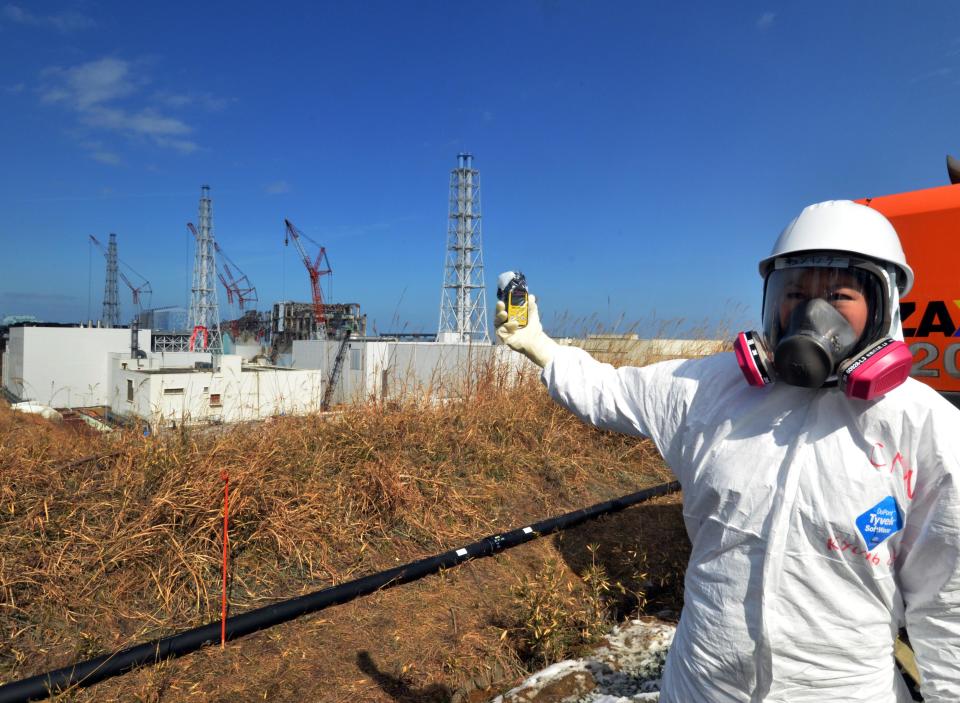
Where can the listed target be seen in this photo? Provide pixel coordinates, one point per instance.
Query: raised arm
(644, 401)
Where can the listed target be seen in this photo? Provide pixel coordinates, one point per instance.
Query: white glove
(531, 340)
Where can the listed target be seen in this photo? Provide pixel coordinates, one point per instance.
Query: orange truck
(928, 222)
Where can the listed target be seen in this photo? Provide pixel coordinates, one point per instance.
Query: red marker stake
(223, 601)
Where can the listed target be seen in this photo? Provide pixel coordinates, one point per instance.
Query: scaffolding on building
(170, 342)
(463, 310)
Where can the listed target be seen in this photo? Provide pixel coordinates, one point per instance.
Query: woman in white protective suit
(820, 483)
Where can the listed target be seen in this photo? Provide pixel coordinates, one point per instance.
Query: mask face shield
(819, 310)
(855, 292)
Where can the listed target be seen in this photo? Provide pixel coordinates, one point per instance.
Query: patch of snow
(626, 668)
(44, 411)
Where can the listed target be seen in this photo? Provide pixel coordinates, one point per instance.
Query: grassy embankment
(107, 541)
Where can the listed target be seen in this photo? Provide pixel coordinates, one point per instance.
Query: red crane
(241, 285)
(143, 289)
(313, 268)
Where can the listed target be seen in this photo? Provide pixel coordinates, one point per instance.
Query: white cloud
(89, 84)
(205, 101)
(100, 93)
(147, 122)
(277, 188)
(184, 146)
(64, 22)
(940, 73)
(106, 157)
(766, 20)
(15, 14)
(100, 153)
(173, 99)
(16, 88)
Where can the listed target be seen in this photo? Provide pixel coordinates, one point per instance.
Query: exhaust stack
(953, 169)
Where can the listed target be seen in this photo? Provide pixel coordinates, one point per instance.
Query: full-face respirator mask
(826, 320)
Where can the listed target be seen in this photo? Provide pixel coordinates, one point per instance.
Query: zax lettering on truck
(928, 222)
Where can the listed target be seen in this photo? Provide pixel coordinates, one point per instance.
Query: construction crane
(335, 374)
(315, 271)
(240, 285)
(234, 281)
(139, 292)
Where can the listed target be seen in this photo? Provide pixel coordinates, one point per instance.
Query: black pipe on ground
(87, 673)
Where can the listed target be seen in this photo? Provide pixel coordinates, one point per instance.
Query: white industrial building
(67, 367)
(177, 389)
(388, 369)
(63, 367)
(76, 367)
(70, 367)
(376, 368)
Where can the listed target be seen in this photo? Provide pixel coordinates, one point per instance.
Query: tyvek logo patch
(879, 522)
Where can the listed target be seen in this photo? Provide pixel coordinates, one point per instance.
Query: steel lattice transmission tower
(111, 298)
(463, 310)
(204, 310)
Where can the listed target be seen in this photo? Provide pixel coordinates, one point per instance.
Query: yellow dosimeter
(512, 290)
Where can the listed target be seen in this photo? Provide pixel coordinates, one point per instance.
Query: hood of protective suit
(896, 328)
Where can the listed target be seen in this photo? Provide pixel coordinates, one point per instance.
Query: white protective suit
(786, 600)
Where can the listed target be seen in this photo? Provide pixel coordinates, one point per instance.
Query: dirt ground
(378, 648)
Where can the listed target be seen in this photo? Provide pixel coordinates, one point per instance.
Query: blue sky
(636, 158)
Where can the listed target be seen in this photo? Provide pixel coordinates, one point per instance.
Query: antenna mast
(463, 310)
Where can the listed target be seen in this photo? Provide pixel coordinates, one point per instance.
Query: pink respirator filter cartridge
(748, 358)
(878, 370)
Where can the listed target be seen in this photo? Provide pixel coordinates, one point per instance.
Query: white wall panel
(65, 366)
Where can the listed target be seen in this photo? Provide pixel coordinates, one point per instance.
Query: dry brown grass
(100, 554)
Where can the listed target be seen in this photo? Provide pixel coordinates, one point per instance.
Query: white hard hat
(843, 226)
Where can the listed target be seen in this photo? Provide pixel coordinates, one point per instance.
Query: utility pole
(463, 309)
